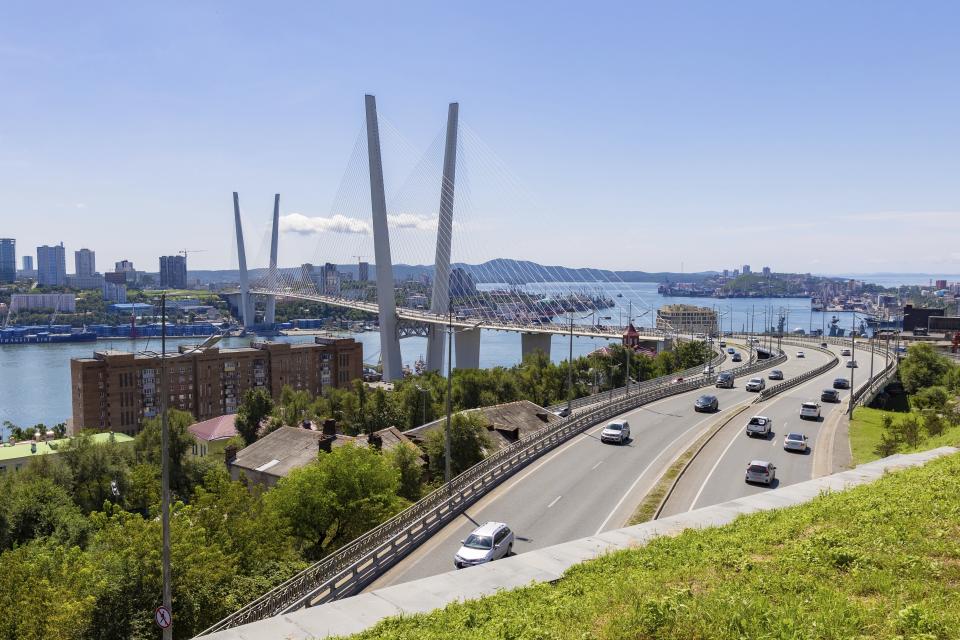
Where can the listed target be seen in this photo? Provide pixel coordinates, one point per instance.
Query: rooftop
(219, 428)
(22, 449)
(506, 423)
(280, 452)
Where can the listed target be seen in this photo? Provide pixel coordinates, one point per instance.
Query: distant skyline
(811, 137)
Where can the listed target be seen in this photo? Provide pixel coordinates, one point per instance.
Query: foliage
(185, 472)
(405, 458)
(877, 561)
(37, 507)
(923, 367)
(255, 405)
(935, 398)
(468, 444)
(340, 496)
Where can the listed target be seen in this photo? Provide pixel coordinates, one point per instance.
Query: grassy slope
(865, 433)
(878, 561)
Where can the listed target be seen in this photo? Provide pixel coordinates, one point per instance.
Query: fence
(361, 561)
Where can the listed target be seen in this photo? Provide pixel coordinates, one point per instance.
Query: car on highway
(852, 364)
(706, 402)
(759, 426)
(708, 371)
(488, 542)
(617, 431)
(809, 410)
(756, 384)
(776, 374)
(829, 395)
(731, 350)
(800, 354)
(823, 345)
(725, 380)
(845, 352)
(563, 413)
(795, 442)
(841, 383)
(677, 380)
(761, 471)
(722, 344)
(736, 358)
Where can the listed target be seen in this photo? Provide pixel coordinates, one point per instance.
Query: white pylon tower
(270, 316)
(441, 266)
(246, 308)
(386, 303)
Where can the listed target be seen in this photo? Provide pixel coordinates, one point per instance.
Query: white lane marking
(596, 465)
(737, 434)
(555, 500)
(644, 472)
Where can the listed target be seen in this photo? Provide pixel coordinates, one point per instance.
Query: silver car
(795, 442)
(759, 426)
(488, 542)
(618, 431)
(761, 471)
(756, 384)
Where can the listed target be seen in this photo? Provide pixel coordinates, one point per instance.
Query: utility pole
(446, 445)
(165, 469)
(853, 358)
(570, 370)
(626, 393)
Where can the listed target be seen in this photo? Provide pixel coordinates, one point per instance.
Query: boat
(619, 295)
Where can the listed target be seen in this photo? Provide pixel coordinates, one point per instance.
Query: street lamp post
(853, 358)
(446, 443)
(165, 470)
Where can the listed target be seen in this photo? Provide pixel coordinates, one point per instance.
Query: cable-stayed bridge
(527, 313)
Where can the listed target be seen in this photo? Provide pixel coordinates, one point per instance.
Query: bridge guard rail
(357, 564)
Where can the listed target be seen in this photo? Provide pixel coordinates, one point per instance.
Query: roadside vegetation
(877, 561)
(931, 384)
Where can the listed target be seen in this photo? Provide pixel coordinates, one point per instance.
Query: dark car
(830, 395)
(736, 358)
(841, 383)
(706, 403)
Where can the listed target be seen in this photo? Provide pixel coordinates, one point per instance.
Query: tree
(908, 430)
(294, 406)
(405, 458)
(254, 407)
(328, 503)
(99, 471)
(890, 438)
(384, 411)
(184, 472)
(933, 398)
(923, 367)
(468, 444)
(36, 507)
(933, 422)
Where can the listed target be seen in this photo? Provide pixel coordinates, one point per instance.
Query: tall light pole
(165, 470)
(570, 370)
(853, 358)
(446, 443)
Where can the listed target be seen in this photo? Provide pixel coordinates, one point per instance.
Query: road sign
(162, 617)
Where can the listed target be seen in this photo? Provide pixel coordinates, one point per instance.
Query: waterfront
(35, 379)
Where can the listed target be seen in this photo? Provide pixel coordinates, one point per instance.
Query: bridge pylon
(386, 303)
(270, 316)
(246, 306)
(440, 302)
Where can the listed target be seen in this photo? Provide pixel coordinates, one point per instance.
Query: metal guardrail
(361, 561)
(766, 394)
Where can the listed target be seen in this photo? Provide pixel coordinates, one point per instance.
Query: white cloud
(337, 223)
(411, 221)
(80, 205)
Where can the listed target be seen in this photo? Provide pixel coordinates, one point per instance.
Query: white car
(488, 542)
(845, 352)
(851, 364)
(800, 354)
(618, 432)
(756, 384)
(759, 426)
(761, 471)
(795, 442)
(810, 411)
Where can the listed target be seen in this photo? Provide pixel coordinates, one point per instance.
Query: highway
(717, 474)
(585, 486)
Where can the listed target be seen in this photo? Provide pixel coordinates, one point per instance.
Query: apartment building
(117, 390)
(687, 318)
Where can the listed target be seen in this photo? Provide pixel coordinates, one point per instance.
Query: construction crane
(184, 252)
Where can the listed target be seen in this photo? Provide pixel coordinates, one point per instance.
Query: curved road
(585, 487)
(717, 474)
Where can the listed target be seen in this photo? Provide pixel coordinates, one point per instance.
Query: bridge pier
(440, 303)
(467, 345)
(530, 342)
(389, 340)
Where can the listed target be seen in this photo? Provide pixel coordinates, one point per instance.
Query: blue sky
(813, 136)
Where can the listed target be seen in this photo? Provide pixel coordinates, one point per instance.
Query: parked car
(761, 471)
(725, 380)
(706, 403)
(759, 426)
(795, 442)
(851, 364)
(829, 395)
(488, 542)
(776, 374)
(756, 384)
(800, 354)
(736, 358)
(841, 383)
(810, 411)
(617, 431)
(845, 352)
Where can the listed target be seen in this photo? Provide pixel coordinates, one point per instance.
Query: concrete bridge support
(274, 281)
(440, 302)
(389, 340)
(246, 303)
(530, 342)
(467, 344)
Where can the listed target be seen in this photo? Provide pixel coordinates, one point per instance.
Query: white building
(686, 318)
(61, 302)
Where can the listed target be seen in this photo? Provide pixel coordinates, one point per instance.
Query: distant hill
(497, 270)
